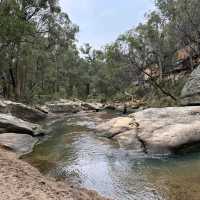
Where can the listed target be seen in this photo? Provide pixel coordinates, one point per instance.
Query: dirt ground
(20, 181)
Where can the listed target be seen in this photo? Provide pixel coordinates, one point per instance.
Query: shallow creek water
(73, 152)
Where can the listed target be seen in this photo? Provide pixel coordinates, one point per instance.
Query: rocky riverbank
(20, 181)
(19, 128)
(19, 132)
(153, 130)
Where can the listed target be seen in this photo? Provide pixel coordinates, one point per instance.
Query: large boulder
(9, 123)
(22, 111)
(191, 92)
(19, 143)
(159, 130)
(25, 112)
(171, 129)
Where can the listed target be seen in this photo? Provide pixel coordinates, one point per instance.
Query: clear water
(73, 152)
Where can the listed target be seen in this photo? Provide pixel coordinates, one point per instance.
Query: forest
(82, 122)
(40, 59)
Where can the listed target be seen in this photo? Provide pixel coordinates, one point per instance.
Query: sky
(102, 21)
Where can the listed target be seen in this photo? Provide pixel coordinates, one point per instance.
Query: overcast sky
(101, 21)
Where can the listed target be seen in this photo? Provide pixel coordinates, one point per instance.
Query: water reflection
(74, 152)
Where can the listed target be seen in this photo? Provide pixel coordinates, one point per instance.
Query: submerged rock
(19, 143)
(191, 92)
(9, 123)
(159, 130)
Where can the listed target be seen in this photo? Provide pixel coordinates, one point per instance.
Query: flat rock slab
(159, 130)
(9, 123)
(19, 143)
(69, 106)
(64, 107)
(25, 112)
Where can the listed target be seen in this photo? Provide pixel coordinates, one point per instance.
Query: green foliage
(37, 44)
(39, 59)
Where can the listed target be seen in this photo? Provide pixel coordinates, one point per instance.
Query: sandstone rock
(160, 130)
(165, 130)
(25, 112)
(72, 106)
(19, 143)
(129, 140)
(9, 123)
(22, 111)
(191, 92)
(64, 106)
(115, 126)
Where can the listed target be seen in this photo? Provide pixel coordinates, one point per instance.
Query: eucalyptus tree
(141, 54)
(33, 34)
(183, 17)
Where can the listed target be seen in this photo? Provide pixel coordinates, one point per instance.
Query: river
(73, 152)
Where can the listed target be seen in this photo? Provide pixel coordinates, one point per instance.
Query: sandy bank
(20, 181)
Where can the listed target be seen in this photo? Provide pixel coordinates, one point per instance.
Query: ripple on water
(74, 153)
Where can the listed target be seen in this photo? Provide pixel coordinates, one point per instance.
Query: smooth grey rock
(72, 106)
(64, 106)
(9, 123)
(166, 130)
(25, 112)
(22, 111)
(159, 130)
(190, 94)
(19, 143)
